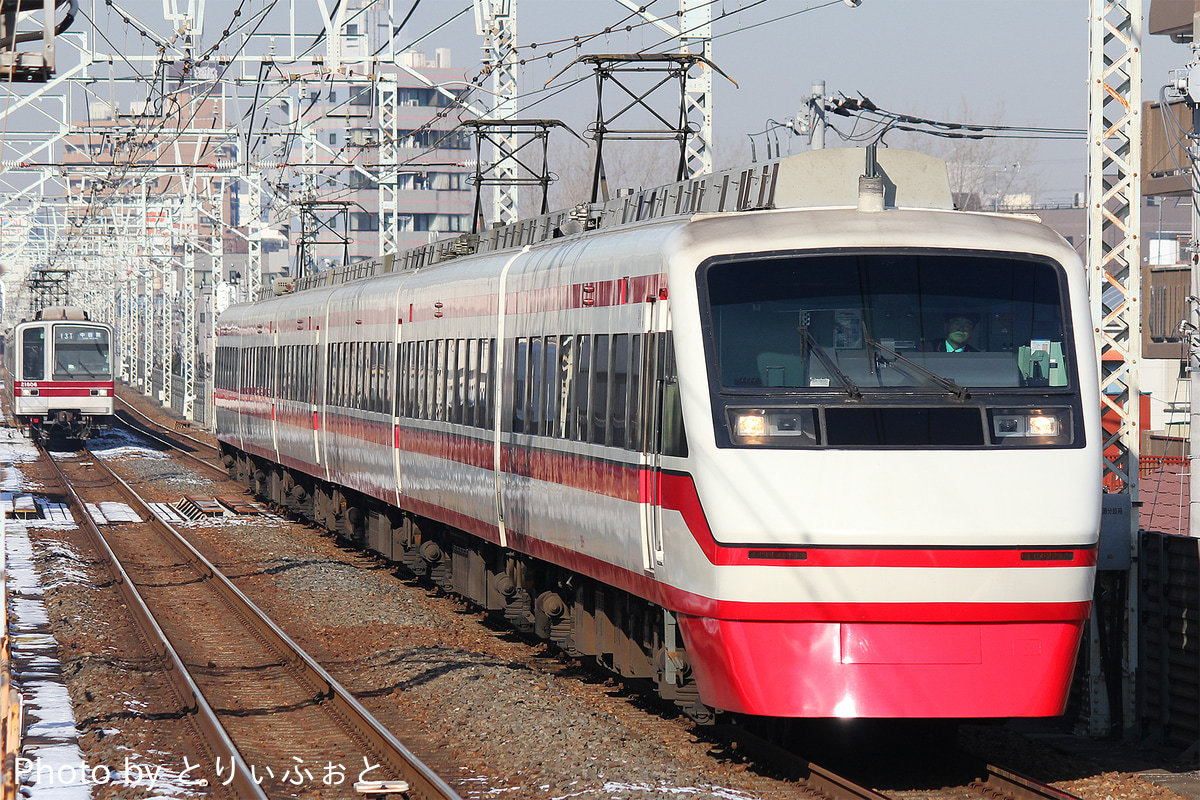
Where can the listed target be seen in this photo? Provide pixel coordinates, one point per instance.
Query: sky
(1016, 62)
(1021, 62)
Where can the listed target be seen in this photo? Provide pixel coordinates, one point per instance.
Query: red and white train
(711, 435)
(60, 366)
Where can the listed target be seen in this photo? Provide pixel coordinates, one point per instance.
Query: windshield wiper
(959, 392)
(824, 358)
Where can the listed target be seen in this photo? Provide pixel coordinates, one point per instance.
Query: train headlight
(751, 425)
(1026, 426)
(773, 427)
(1041, 425)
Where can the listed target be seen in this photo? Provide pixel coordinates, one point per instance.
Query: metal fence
(1169, 647)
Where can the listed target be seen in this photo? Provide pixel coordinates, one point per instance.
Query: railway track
(998, 783)
(134, 419)
(274, 722)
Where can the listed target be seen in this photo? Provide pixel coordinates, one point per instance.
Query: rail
(144, 425)
(422, 782)
(1003, 783)
(187, 692)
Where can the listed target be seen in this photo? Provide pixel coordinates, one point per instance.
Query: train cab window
(81, 351)
(882, 320)
(33, 354)
(600, 387)
(618, 407)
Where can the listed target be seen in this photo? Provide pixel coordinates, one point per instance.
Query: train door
(275, 366)
(656, 369)
(502, 391)
(399, 373)
(325, 369)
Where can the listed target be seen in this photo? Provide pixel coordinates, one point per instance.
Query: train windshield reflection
(80, 351)
(937, 321)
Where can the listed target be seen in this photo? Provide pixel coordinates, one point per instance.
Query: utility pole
(1113, 261)
(695, 38)
(814, 115)
(496, 21)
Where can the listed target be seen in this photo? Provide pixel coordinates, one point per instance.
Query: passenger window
(618, 406)
(439, 381)
(636, 360)
(431, 380)
(460, 384)
(385, 387)
(674, 439)
(579, 388)
(451, 384)
(469, 413)
(371, 360)
(483, 403)
(422, 408)
(520, 384)
(552, 382)
(599, 415)
(537, 371)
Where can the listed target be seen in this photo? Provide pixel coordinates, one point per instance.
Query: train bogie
(808, 460)
(61, 374)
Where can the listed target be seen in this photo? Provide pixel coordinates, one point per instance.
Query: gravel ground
(494, 714)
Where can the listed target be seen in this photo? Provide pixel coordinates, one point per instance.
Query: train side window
(600, 372)
(452, 408)
(386, 369)
(551, 382)
(344, 370)
(353, 390)
(420, 410)
(460, 384)
(439, 382)
(470, 416)
(618, 406)
(377, 363)
(580, 388)
(411, 404)
(402, 379)
(332, 352)
(431, 380)
(366, 397)
(341, 374)
(537, 380)
(366, 401)
(487, 363)
(637, 358)
(520, 384)
(288, 378)
(673, 440)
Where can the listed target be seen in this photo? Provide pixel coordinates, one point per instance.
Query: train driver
(956, 337)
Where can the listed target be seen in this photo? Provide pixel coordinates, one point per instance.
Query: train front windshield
(81, 351)
(932, 322)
